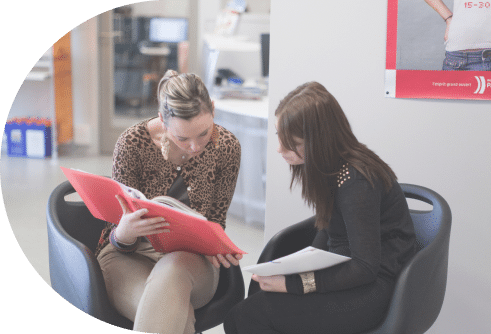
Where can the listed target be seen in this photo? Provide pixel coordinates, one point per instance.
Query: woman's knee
(178, 266)
(248, 315)
(229, 323)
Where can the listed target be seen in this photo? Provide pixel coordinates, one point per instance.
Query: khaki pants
(158, 291)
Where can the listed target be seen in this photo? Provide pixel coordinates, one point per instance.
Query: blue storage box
(28, 137)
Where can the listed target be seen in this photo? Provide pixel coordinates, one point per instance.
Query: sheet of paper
(307, 259)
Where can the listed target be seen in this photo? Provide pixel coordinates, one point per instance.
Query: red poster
(426, 56)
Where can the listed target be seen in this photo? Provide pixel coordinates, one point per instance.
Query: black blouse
(178, 191)
(369, 224)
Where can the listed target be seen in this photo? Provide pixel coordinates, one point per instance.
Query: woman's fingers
(154, 225)
(154, 221)
(157, 231)
(213, 260)
(232, 259)
(226, 260)
(139, 213)
(223, 261)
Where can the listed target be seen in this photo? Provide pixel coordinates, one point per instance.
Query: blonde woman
(181, 153)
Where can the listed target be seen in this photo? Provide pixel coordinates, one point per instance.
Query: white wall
(85, 84)
(175, 8)
(441, 144)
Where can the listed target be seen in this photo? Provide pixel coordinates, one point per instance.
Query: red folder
(187, 232)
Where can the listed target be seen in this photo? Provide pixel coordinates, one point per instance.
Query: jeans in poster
(467, 60)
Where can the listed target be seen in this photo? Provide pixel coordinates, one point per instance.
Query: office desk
(248, 121)
(250, 108)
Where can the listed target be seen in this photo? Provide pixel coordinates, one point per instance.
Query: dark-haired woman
(361, 212)
(181, 153)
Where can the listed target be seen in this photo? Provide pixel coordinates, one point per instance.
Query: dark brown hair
(311, 113)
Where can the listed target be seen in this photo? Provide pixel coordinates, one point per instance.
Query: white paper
(35, 143)
(307, 259)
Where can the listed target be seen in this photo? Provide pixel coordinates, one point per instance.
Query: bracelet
(448, 17)
(308, 281)
(122, 246)
(123, 243)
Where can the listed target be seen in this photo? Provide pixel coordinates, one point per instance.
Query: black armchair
(73, 234)
(420, 288)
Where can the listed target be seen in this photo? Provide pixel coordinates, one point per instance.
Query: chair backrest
(420, 288)
(73, 219)
(73, 234)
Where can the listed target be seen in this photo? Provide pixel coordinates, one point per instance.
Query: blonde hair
(182, 95)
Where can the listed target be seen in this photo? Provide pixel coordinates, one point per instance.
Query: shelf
(154, 51)
(38, 75)
(214, 44)
(231, 43)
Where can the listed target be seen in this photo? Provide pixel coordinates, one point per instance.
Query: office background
(443, 145)
(26, 183)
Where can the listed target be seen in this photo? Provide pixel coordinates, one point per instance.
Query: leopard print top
(210, 177)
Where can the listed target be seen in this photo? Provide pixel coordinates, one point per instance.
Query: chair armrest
(230, 291)
(289, 240)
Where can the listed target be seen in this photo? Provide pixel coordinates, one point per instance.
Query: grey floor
(27, 184)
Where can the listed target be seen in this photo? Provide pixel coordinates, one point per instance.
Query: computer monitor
(265, 55)
(168, 30)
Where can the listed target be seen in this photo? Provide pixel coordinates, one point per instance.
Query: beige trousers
(158, 291)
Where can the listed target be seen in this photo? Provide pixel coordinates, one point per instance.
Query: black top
(179, 191)
(368, 224)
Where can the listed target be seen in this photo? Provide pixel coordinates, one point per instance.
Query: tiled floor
(27, 184)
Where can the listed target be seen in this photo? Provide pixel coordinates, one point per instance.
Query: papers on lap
(307, 259)
(189, 231)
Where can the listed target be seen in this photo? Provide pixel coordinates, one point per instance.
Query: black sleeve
(359, 205)
(320, 240)
(294, 283)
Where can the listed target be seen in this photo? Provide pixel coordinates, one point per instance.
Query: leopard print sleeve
(230, 154)
(126, 161)
(125, 169)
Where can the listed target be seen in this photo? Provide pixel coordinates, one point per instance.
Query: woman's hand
(271, 283)
(132, 225)
(226, 260)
